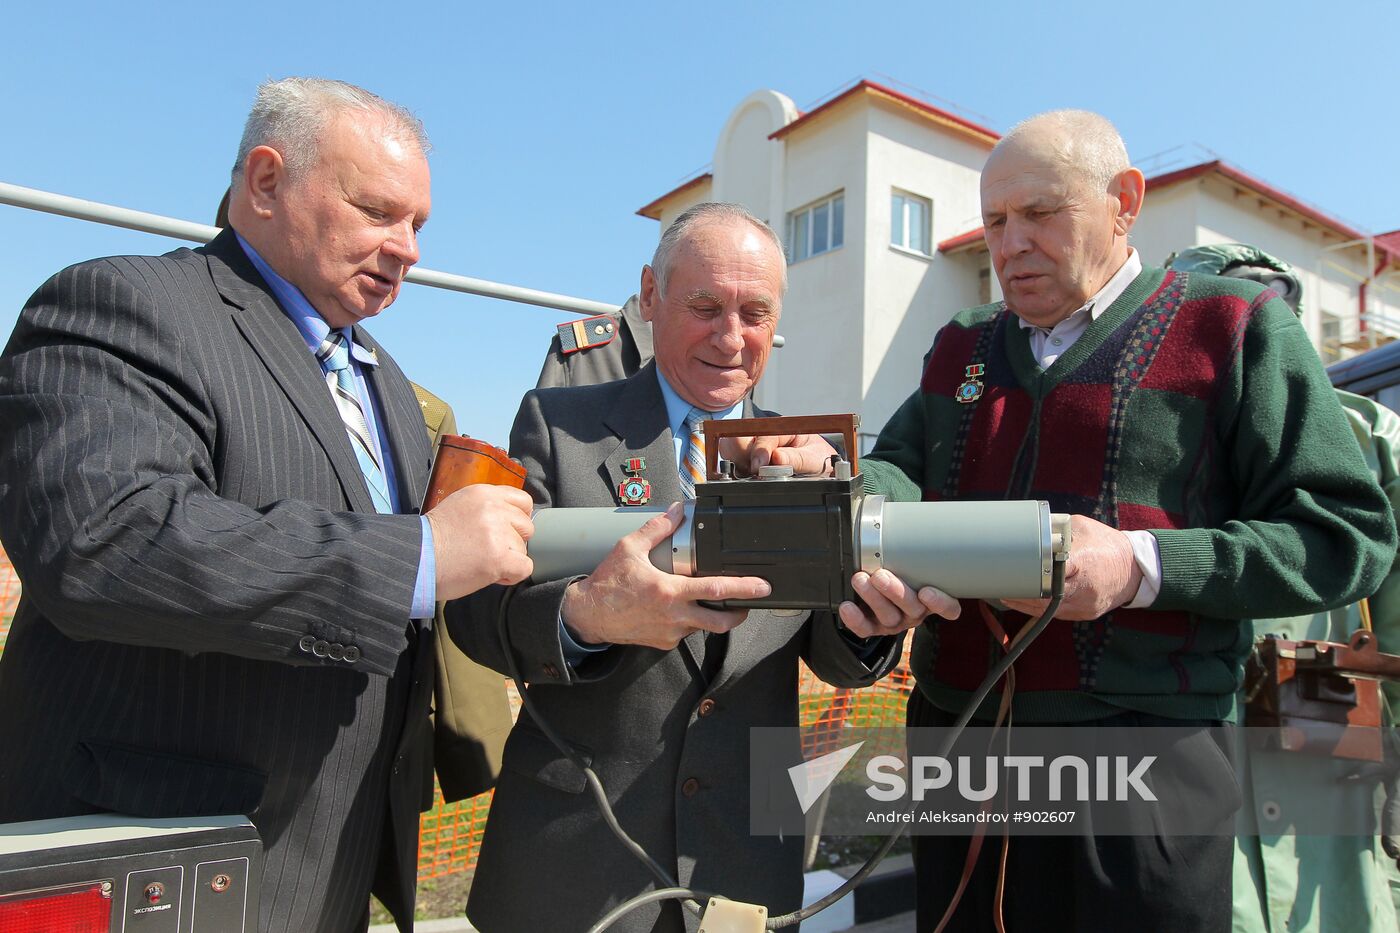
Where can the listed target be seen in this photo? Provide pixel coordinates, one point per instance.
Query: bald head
(1082, 144)
(1058, 199)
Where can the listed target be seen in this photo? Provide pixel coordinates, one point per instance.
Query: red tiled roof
(952, 121)
(1389, 243)
(961, 241)
(1246, 180)
(653, 210)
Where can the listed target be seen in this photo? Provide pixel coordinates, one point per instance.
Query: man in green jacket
(1285, 881)
(1185, 422)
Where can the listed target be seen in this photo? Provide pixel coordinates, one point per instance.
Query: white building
(876, 194)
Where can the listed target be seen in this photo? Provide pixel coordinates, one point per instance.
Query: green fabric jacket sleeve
(893, 468)
(1312, 529)
(1378, 430)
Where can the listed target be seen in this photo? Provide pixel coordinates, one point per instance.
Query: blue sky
(553, 123)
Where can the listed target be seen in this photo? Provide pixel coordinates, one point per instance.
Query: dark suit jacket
(670, 747)
(214, 619)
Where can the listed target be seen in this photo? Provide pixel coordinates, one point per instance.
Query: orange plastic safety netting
(9, 596)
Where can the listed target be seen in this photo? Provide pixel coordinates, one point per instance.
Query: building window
(1331, 343)
(909, 221)
(817, 228)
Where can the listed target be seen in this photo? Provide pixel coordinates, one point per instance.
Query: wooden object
(845, 425)
(464, 461)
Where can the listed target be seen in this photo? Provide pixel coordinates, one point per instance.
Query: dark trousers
(1082, 883)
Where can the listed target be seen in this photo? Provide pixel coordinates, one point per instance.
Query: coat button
(352, 654)
(707, 706)
(321, 648)
(691, 787)
(307, 643)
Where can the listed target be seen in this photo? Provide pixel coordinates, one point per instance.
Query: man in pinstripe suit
(225, 603)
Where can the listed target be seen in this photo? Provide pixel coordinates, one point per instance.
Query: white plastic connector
(733, 917)
(1059, 535)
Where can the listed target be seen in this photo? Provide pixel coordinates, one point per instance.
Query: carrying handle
(845, 425)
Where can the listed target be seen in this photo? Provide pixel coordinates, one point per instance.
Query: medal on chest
(971, 388)
(636, 488)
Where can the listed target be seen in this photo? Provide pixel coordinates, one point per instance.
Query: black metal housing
(798, 534)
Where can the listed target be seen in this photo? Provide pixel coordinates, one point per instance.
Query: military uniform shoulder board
(434, 409)
(587, 332)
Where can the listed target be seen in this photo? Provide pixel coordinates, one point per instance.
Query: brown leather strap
(974, 845)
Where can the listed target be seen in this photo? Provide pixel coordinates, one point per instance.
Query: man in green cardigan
(1186, 423)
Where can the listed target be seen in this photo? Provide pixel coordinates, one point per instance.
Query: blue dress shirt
(314, 329)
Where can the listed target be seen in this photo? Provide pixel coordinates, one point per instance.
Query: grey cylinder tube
(572, 542)
(971, 550)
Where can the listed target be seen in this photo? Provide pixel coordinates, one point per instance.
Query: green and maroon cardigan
(1193, 407)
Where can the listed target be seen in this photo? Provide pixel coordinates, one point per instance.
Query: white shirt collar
(1105, 297)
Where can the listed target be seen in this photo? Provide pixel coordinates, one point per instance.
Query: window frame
(1329, 346)
(906, 198)
(804, 219)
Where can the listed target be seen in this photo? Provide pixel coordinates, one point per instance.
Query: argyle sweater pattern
(1193, 407)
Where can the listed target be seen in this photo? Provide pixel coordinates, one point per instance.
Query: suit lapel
(401, 428)
(638, 421)
(277, 342)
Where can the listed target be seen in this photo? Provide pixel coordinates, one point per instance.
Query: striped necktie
(334, 355)
(708, 648)
(693, 457)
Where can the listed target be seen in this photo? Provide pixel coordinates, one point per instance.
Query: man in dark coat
(658, 692)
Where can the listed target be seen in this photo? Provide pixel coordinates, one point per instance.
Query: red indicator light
(73, 909)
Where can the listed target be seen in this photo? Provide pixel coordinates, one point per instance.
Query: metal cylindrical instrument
(970, 550)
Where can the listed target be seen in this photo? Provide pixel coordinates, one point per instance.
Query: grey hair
(289, 114)
(706, 212)
(1089, 144)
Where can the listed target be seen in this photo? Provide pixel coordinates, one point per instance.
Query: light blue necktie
(335, 356)
(693, 456)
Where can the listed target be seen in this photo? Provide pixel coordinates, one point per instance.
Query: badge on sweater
(971, 388)
(635, 489)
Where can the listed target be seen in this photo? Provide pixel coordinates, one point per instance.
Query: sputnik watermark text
(1065, 777)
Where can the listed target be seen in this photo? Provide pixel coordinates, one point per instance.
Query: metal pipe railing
(48, 202)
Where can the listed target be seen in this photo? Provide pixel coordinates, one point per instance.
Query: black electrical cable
(690, 898)
(641, 900)
(1057, 592)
